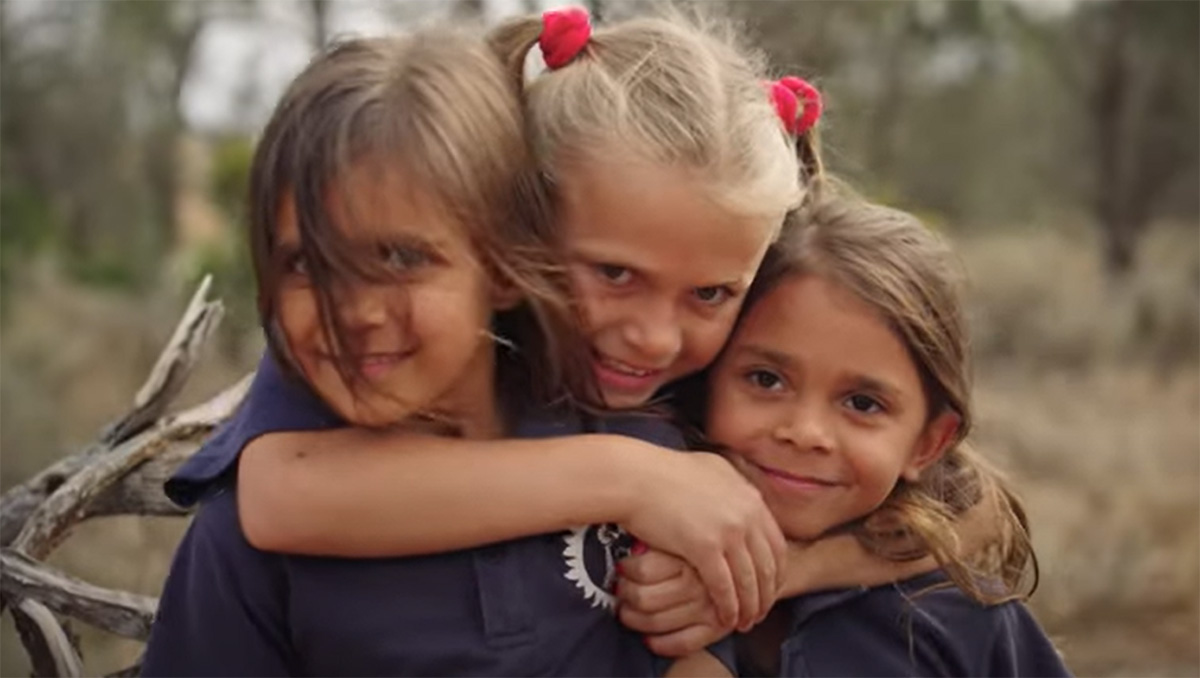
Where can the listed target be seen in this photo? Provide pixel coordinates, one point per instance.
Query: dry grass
(1088, 396)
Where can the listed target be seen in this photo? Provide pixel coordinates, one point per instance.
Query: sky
(242, 66)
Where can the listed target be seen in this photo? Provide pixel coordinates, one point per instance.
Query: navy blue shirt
(534, 606)
(896, 630)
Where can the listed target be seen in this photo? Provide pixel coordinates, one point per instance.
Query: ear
(932, 444)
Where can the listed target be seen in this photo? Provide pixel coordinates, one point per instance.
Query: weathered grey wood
(53, 519)
(19, 502)
(50, 650)
(140, 492)
(122, 473)
(126, 614)
(168, 376)
(174, 365)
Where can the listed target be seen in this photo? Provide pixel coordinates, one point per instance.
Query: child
(673, 172)
(397, 228)
(844, 397)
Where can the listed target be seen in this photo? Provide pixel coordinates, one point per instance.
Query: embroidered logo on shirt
(591, 557)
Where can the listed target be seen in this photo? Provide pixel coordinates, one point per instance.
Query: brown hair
(675, 90)
(910, 277)
(438, 105)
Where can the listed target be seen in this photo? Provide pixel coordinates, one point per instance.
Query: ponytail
(511, 41)
(799, 105)
(562, 35)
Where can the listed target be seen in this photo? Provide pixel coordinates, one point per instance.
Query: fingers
(690, 613)
(660, 596)
(718, 581)
(745, 578)
(779, 547)
(686, 641)
(768, 573)
(652, 567)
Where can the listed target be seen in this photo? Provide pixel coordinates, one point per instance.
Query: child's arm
(841, 561)
(698, 665)
(662, 596)
(356, 492)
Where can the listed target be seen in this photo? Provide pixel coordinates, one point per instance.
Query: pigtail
(962, 513)
(799, 106)
(562, 35)
(511, 41)
(812, 168)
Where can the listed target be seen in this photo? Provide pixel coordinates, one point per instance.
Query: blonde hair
(438, 105)
(910, 277)
(673, 90)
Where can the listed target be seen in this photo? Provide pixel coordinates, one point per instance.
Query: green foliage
(231, 175)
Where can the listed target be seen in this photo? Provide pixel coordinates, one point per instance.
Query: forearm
(355, 492)
(840, 561)
(696, 665)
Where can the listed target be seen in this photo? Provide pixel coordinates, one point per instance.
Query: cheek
(299, 319)
(731, 418)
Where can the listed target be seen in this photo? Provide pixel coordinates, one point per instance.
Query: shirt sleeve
(223, 607)
(275, 402)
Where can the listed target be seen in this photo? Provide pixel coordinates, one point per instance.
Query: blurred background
(1055, 142)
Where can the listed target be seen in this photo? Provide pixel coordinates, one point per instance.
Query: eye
(864, 404)
(764, 379)
(613, 274)
(404, 257)
(713, 295)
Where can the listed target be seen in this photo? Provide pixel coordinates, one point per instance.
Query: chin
(625, 401)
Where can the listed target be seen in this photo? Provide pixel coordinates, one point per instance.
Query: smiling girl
(844, 397)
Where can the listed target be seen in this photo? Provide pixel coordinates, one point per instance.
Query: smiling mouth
(373, 365)
(624, 368)
(793, 481)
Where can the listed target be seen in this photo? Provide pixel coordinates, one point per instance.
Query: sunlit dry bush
(1041, 296)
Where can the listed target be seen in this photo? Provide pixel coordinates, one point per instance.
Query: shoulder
(214, 549)
(275, 402)
(919, 627)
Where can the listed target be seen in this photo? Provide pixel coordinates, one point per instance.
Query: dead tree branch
(128, 615)
(122, 473)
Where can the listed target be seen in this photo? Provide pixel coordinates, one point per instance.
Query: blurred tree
(1140, 104)
(91, 127)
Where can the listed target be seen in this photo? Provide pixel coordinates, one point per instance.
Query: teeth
(623, 368)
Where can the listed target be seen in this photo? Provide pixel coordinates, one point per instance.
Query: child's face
(820, 406)
(659, 271)
(416, 340)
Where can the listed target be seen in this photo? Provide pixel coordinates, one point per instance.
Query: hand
(661, 596)
(697, 507)
(659, 593)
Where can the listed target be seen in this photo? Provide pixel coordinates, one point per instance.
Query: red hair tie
(564, 33)
(788, 94)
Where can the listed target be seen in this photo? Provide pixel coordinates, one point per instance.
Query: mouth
(375, 365)
(792, 482)
(621, 376)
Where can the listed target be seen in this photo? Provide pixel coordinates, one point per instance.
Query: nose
(362, 307)
(807, 427)
(654, 332)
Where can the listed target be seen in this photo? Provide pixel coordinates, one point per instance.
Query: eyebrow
(786, 361)
(596, 256)
(769, 355)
